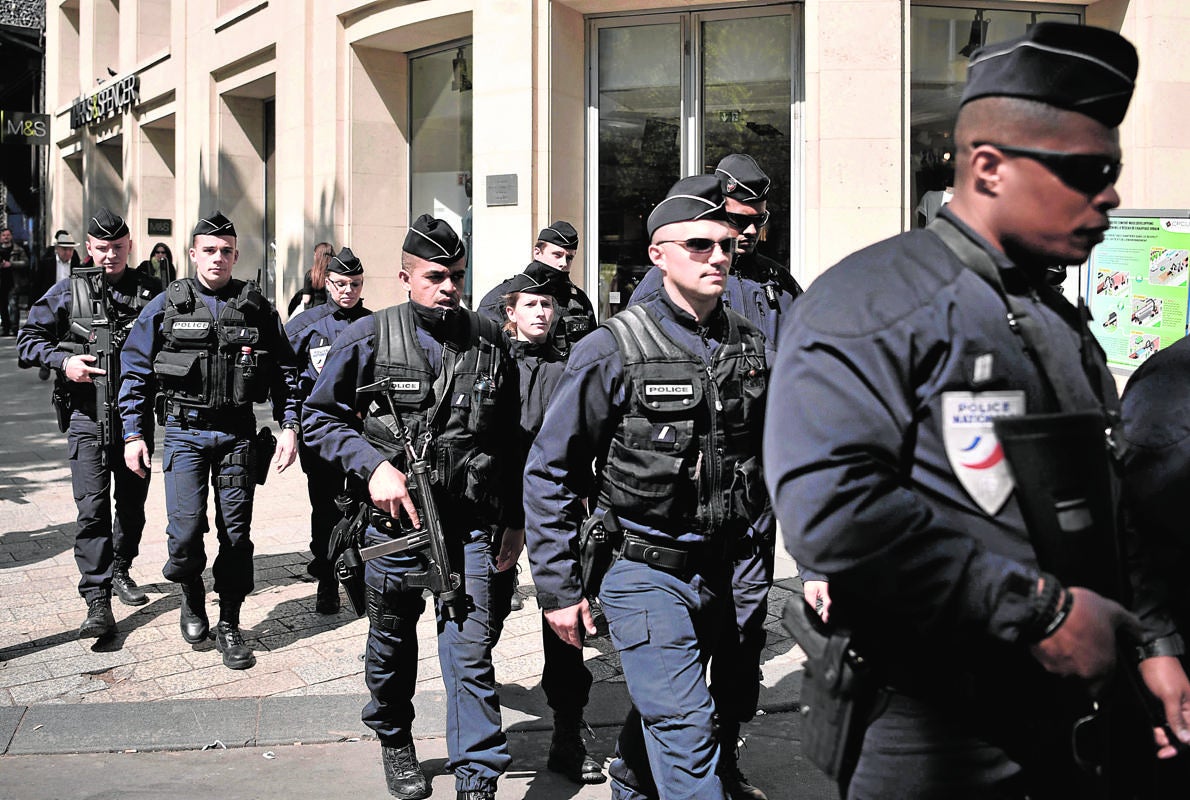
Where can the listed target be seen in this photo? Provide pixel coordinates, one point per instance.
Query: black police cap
(108, 226)
(693, 198)
(434, 240)
(561, 233)
(741, 178)
(345, 263)
(528, 284)
(214, 225)
(1074, 67)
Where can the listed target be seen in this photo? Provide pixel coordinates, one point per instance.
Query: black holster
(263, 449)
(840, 692)
(343, 550)
(60, 399)
(599, 539)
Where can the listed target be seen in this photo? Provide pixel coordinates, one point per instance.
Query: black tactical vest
(85, 297)
(686, 455)
(462, 414)
(202, 363)
(574, 321)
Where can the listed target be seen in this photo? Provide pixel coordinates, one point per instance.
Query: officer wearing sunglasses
(887, 452)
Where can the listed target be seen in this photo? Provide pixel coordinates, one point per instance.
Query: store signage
(502, 190)
(23, 127)
(161, 227)
(1138, 284)
(107, 102)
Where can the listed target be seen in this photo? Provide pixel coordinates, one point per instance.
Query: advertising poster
(1137, 284)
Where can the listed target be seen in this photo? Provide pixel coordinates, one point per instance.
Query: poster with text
(1137, 288)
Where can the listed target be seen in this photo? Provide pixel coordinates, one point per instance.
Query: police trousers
(477, 749)
(664, 626)
(101, 535)
(195, 461)
(735, 662)
(324, 482)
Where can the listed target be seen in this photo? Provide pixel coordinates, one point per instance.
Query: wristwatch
(1171, 645)
(296, 427)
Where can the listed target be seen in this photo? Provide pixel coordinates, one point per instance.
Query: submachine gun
(101, 334)
(428, 539)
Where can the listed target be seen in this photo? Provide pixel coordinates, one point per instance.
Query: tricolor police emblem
(318, 356)
(971, 446)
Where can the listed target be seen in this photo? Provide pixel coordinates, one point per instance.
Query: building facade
(342, 120)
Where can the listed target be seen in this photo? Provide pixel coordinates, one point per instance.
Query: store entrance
(670, 95)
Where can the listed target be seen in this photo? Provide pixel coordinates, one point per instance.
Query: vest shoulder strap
(641, 339)
(180, 295)
(396, 337)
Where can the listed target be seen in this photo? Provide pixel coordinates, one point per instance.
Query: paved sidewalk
(149, 690)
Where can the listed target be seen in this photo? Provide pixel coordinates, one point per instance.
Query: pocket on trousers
(631, 630)
(167, 461)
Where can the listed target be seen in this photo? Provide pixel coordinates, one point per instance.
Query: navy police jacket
(880, 456)
(311, 334)
(583, 420)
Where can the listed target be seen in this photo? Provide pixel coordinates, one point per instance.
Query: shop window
(941, 39)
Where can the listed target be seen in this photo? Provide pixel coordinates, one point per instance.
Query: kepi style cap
(107, 226)
(434, 240)
(214, 225)
(696, 197)
(561, 233)
(345, 263)
(741, 178)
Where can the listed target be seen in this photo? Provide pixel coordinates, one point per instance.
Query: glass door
(671, 94)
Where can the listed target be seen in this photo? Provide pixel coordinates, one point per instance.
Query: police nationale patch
(669, 390)
(318, 356)
(187, 325)
(405, 386)
(971, 446)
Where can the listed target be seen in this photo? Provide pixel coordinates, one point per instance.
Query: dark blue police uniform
(101, 537)
(311, 334)
(207, 445)
(887, 478)
(334, 430)
(663, 622)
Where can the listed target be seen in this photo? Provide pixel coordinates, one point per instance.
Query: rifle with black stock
(102, 339)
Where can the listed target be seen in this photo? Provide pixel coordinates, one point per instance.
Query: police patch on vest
(187, 325)
(971, 446)
(669, 390)
(404, 386)
(318, 356)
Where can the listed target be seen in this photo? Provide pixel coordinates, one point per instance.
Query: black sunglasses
(742, 221)
(701, 245)
(1088, 173)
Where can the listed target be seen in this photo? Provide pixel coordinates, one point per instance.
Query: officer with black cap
(759, 288)
(57, 335)
(667, 400)
(892, 449)
(531, 310)
(553, 254)
(311, 334)
(202, 353)
(440, 376)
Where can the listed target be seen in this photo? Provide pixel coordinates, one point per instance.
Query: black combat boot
(125, 587)
(476, 794)
(568, 753)
(735, 783)
(402, 773)
(99, 624)
(327, 599)
(228, 639)
(193, 620)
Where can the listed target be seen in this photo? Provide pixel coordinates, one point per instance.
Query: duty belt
(672, 556)
(228, 420)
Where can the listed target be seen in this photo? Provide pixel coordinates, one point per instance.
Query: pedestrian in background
(211, 346)
(160, 264)
(313, 291)
(14, 267)
(60, 324)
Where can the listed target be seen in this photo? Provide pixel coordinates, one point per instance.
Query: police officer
(311, 333)
(886, 468)
(1156, 466)
(57, 335)
(759, 288)
(553, 254)
(666, 399)
(211, 346)
(530, 310)
(444, 373)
